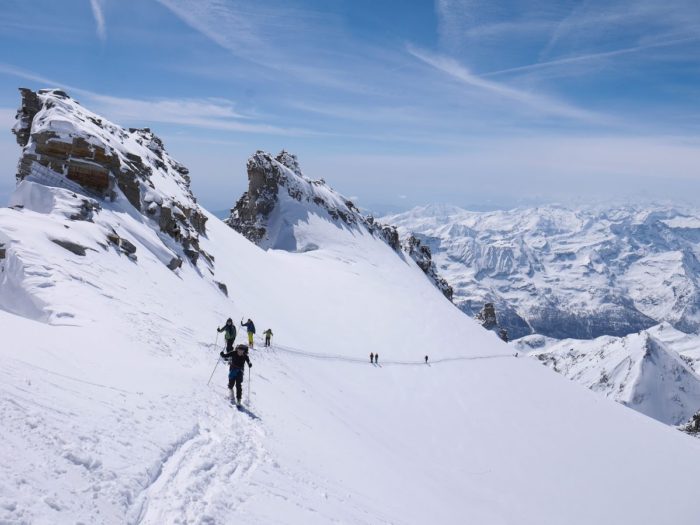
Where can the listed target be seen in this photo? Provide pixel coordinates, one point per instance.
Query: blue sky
(395, 103)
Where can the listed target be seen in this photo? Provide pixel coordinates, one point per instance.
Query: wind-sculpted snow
(560, 272)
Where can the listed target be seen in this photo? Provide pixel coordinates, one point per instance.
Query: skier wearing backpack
(230, 335)
(236, 360)
(250, 327)
(268, 335)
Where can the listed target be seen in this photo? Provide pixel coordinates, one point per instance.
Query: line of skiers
(374, 358)
(239, 357)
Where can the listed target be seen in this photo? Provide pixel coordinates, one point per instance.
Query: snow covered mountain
(568, 273)
(106, 415)
(275, 213)
(648, 371)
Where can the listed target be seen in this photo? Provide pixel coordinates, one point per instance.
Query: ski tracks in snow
(203, 478)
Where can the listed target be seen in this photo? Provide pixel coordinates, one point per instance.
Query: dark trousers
(267, 340)
(229, 345)
(235, 377)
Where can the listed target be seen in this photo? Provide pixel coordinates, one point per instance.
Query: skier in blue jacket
(250, 327)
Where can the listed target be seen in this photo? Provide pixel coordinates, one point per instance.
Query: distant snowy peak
(281, 201)
(563, 272)
(65, 145)
(642, 371)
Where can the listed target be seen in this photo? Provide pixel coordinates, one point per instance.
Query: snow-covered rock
(275, 211)
(65, 145)
(562, 272)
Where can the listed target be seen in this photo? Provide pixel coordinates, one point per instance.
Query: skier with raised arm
(236, 360)
(250, 328)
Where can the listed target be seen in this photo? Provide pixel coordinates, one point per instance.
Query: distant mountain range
(568, 273)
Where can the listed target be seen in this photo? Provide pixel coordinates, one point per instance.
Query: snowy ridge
(568, 273)
(106, 416)
(281, 205)
(651, 372)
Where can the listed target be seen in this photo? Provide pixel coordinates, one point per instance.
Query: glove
(221, 354)
(250, 365)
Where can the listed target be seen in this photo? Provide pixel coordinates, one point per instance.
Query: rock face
(279, 195)
(424, 259)
(65, 145)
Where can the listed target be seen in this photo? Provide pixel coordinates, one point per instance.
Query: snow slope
(639, 371)
(106, 415)
(653, 371)
(568, 273)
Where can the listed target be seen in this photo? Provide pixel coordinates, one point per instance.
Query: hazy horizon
(491, 105)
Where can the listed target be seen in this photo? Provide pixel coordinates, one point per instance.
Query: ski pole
(212, 372)
(250, 378)
(216, 346)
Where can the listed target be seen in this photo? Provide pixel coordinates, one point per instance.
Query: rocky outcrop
(424, 259)
(268, 177)
(692, 427)
(65, 145)
(71, 246)
(273, 179)
(488, 319)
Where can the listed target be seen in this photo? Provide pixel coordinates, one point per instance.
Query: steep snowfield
(639, 371)
(568, 273)
(654, 371)
(106, 416)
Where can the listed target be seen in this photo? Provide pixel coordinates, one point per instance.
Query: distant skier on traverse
(236, 360)
(230, 333)
(268, 335)
(371, 357)
(426, 359)
(250, 327)
(376, 358)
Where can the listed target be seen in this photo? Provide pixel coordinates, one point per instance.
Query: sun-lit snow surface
(106, 416)
(642, 370)
(565, 272)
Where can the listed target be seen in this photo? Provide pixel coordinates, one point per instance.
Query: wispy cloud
(99, 15)
(640, 21)
(542, 104)
(590, 57)
(207, 113)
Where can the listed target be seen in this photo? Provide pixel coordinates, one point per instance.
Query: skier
(230, 335)
(376, 358)
(251, 331)
(236, 361)
(426, 359)
(371, 357)
(268, 335)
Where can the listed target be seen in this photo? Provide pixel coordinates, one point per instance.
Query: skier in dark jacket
(371, 357)
(268, 335)
(250, 327)
(230, 335)
(236, 360)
